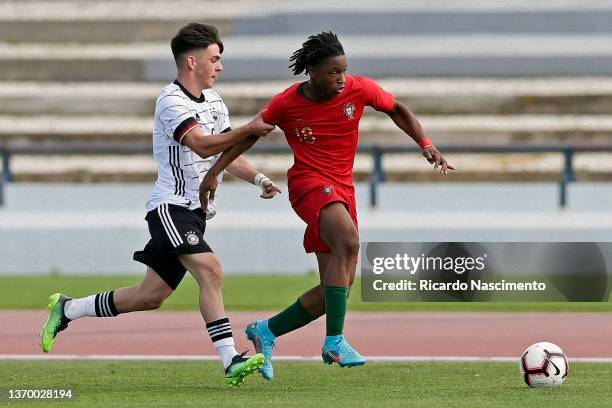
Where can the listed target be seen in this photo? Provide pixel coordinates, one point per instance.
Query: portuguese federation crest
(348, 109)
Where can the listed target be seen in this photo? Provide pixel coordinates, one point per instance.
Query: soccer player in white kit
(192, 129)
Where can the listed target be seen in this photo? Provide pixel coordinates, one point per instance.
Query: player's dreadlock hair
(317, 48)
(194, 36)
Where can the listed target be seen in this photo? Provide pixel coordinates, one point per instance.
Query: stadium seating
(82, 71)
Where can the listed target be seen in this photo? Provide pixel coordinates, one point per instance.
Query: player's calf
(141, 300)
(150, 303)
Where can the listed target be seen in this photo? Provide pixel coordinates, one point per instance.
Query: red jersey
(323, 136)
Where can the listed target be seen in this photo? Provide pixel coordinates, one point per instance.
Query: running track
(426, 334)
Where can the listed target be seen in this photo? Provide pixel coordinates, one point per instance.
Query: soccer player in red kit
(320, 119)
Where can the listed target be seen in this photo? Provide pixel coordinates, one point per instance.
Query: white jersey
(180, 170)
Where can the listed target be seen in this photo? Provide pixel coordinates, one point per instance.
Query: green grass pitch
(306, 384)
(246, 292)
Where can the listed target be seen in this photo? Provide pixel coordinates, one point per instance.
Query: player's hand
(207, 189)
(269, 189)
(434, 157)
(258, 126)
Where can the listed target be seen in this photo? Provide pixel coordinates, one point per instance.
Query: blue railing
(377, 175)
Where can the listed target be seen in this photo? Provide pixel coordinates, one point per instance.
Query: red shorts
(307, 200)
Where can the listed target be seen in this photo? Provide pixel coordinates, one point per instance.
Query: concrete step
(398, 167)
(374, 128)
(386, 17)
(98, 31)
(138, 20)
(266, 57)
(442, 96)
(111, 21)
(112, 10)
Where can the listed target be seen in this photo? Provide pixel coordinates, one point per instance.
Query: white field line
(381, 359)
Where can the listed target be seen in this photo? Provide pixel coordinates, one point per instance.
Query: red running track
(376, 334)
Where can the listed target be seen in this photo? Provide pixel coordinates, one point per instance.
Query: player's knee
(213, 274)
(348, 246)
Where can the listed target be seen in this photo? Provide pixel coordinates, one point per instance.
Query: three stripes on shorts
(169, 227)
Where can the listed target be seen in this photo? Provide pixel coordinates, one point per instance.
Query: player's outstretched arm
(242, 169)
(209, 183)
(407, 121)
(208, 145)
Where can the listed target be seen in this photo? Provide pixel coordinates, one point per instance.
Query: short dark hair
(316, 49)
(194, 36)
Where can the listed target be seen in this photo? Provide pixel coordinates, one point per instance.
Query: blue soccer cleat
(337, 350)
(263, 340)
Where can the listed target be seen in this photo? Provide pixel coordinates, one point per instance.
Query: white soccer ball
(544, 365)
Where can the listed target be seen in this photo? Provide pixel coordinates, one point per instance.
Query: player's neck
(310, 92)
(190, 85)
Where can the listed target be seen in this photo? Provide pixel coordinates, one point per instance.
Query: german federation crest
(348, 109)
(192, 238)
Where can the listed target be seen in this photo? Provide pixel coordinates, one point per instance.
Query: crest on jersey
(348, 109)
(327, 190)
(192, 238)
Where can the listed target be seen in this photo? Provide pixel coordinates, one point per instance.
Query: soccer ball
(544, 365)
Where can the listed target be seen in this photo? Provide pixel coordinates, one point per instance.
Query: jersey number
(305, 135)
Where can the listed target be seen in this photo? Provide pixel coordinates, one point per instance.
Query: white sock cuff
(228, 341)
(81, 307)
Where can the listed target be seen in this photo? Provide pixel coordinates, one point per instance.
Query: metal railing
(377, 175)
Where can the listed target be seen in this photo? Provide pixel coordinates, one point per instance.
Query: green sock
(293, 317)
(335, 309)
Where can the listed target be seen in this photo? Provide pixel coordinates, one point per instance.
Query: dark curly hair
(314, 50)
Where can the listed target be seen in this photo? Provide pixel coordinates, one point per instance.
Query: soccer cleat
(56, 322)
(242, 366)
(263, 340)
(337, 350)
